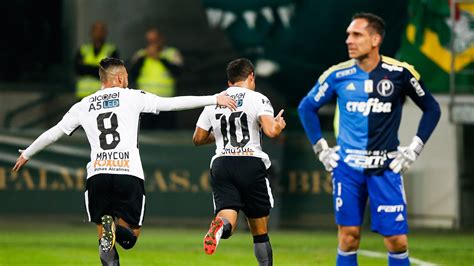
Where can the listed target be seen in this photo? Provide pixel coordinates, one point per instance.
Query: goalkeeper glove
(407, 155)
(328, 156)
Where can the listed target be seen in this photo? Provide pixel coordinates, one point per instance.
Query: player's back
(110, 118)
(238, 133)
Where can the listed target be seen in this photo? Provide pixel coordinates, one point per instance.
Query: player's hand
(328, 156)
(280, 121)
(224, 100)
(19, 162)
(407, 155)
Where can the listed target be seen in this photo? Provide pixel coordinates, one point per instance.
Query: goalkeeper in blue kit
(367, 162)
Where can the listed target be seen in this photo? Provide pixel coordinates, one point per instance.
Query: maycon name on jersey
(111, 160)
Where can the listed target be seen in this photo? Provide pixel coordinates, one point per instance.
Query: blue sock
(398, 259)
(348, 258)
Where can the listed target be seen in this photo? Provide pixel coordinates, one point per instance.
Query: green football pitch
(76, 244)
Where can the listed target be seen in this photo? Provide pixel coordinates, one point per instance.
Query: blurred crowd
(153, 68)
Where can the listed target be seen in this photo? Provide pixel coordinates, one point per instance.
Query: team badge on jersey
(385, 87)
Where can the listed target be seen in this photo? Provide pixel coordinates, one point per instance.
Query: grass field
(65, 244)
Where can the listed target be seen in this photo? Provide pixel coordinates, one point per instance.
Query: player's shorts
(121, 196)
(385, 191)
(241, 183)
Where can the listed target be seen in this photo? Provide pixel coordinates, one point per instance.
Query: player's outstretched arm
(272, 126)
(47, 138)
(224, 100)
(202, 137)
(19, 162)
(191, 102)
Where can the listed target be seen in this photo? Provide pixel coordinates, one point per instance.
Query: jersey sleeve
(319, 95)
(70, 121)
(147, 102)
(417, 91)
(204, 120)
(151, 103)
(263, 106)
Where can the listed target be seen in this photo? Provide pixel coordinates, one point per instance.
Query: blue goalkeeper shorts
(386, 194)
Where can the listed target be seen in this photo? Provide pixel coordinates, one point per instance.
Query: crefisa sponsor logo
(373, 105)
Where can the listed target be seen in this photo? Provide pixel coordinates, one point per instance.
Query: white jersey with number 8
(110, 118)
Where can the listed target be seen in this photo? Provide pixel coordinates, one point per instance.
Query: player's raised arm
(272, 126)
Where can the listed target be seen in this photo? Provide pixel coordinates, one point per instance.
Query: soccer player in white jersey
(239, 168)
(115, 194)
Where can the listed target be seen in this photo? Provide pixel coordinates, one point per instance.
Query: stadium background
(291, 42)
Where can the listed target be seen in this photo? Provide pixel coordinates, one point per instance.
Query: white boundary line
(374, 254)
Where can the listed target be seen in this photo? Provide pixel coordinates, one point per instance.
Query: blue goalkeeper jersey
(369, 110)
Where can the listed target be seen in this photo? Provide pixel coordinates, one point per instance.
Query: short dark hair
(239, 70)
(106, 63)
(375, 22)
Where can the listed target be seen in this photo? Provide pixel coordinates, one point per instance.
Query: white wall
(431, 183)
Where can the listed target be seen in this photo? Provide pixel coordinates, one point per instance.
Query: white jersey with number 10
(238, 133)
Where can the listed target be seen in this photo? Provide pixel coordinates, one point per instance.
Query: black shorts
(121, 196)
(241, 183)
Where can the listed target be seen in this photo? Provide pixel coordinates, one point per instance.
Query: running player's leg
(389, 215)
(222, 227)
(129, 208)
(258, 201)
(227, 202)
(108, 256)
(229, 219)
(126, 234)
(349, 199)
(98, 198)
(261, 242)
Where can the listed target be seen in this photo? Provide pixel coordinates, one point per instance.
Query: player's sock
(263, 250)
(125, 237)
(398, 258)
(226, 229)
(110, 258)
(348, 258)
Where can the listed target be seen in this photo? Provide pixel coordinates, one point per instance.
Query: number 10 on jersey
(231, 121)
